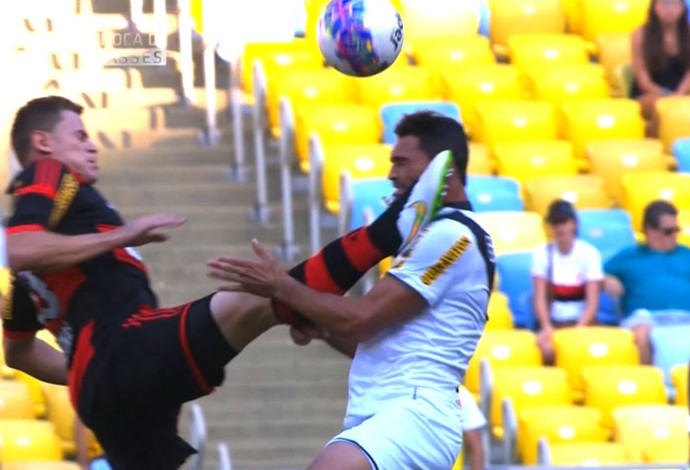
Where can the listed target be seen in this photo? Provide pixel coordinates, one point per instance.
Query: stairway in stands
(280, 403)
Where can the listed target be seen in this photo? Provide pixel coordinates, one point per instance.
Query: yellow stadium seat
(653, 433)
(516, 121)
(42, 465)
(615, 52)
(360, 161)
(60, 412)
(584, 191)
(27, 440)
(570, 82)
(429, 20)
(35, 391)
(589, 120)
(526, 387)
(307, 87)
(439, 54)
(527, 160)
(606, 387)
(513, 230)
(396, 85)
(479, 162)
(578, 348)
(641, 188)
(276, 58)
(514, 17)
(611, 16)
(679, 378)
(466, 86)
(15, 400)
(573, 16)
(612, 158)
(500, 316)
(558, 425)
(502, 348)
(586, 454)
(335, 124)
(534, 52)
(674, 119)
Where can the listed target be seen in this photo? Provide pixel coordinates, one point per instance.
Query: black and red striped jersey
(48, 196)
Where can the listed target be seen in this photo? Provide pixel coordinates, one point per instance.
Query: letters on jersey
(447, 259)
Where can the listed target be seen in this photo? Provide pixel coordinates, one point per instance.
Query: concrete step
(166, 175)
(185, 156)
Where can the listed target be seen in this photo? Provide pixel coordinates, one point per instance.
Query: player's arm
(42, 250)
(37, 358)
(43, 195)
(401, 294)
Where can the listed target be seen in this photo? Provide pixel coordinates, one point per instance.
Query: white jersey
(428, 352)
(568, 274)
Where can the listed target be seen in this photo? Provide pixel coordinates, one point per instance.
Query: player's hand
(150, 229)
(260, 277)
(304, 335)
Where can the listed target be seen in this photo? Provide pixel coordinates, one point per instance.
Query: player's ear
(40, 142)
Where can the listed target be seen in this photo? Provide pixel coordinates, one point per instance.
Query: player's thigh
(342, 455)
(160, 354)
(424, 432)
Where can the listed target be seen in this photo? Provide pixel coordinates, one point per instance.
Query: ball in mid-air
(360, 37)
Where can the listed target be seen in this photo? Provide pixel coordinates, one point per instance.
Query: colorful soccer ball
(360, 37)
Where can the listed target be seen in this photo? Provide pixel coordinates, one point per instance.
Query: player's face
(70, 144)
(408, 162)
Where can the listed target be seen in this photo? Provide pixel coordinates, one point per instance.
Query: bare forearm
(39, 360)
(344, 344)
(46, 251)
(339, 315)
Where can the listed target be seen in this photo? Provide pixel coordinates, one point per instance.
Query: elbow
(357, 327)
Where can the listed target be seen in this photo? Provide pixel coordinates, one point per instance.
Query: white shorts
(422, 432)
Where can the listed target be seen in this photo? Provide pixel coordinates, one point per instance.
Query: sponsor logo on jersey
(445, 261)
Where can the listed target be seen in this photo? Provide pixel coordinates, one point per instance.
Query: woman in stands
(661, 57)
(566, 275)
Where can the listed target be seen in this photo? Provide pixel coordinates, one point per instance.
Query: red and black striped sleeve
(19, 313)
(39, 196)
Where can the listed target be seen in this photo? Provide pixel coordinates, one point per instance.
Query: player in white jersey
(414, 332)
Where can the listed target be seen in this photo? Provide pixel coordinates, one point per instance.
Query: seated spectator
(661, 57)
(473, 421)
(652, 279)
(566, 275)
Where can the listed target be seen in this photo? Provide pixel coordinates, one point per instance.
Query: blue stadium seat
(671, 348)
(609, 230)
(681, 150)
(391, 114)
(494, 193)
(515, 281)
(366, 195)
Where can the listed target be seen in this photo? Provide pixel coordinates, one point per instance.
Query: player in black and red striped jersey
(131, 364)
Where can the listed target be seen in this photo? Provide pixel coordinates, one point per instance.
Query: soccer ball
(360, 37)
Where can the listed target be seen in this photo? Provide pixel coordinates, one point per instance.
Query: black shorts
(129, 380)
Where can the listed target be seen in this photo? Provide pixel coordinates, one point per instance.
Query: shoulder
(586, 248)
(45, 173)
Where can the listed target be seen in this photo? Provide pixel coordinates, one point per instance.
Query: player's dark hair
(654, 211)
(40, 114)
(437, 133)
